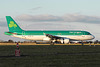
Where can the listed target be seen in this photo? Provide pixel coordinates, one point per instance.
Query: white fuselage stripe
(41, 37)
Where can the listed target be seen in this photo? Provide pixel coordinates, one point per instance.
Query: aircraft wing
(62, 39)
(57, 37)
(54, 37)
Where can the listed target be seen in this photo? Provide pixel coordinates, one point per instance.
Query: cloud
(80, 18)
(3, 24)
(64, 18)
(2, 19)
(39, 18)
(36, 8)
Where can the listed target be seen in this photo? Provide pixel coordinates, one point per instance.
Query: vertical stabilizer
(12, 25)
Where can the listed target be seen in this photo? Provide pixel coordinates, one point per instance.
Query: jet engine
(64, 41)
(46, 39)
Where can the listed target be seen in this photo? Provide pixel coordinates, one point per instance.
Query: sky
(51, 15)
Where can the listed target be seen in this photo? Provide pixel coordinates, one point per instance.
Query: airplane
(52, 36)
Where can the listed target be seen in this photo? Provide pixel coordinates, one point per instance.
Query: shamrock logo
(12, 24)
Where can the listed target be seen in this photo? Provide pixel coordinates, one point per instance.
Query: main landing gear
(82, 43)
(51, 43)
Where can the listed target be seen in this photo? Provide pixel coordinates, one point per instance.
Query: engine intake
(64, 41)
(46, 39)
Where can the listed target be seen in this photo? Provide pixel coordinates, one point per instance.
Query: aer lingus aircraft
(52, 35)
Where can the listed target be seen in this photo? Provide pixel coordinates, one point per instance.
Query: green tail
(12, 25)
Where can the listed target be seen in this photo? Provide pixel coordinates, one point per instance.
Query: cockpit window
(89, 33)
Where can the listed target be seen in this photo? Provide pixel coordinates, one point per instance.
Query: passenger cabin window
(59, 33)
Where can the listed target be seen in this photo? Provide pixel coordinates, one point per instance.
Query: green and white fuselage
(16, 31)
(40, 35)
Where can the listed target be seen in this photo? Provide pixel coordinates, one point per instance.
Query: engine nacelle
(64, 41)
(46, 39)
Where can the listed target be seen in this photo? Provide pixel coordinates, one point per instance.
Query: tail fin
(12, 25)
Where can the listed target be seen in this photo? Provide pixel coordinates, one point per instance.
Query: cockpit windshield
(89, 33)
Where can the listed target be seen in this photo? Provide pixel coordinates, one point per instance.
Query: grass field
(50, 56)
(41, 44)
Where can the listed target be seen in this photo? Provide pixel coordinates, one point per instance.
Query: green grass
(50, 56)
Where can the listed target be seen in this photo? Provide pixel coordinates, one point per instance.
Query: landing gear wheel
(51, 43)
